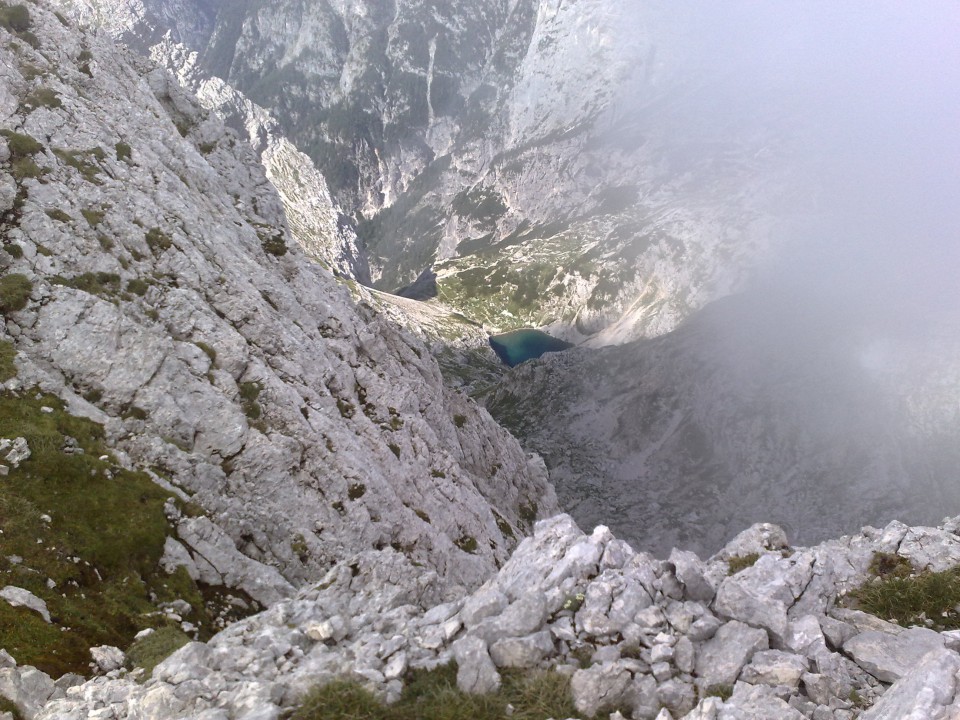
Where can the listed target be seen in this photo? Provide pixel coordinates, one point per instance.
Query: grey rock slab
(18, 597)
(752, 702)
(522, 652)
(484, 603)
(723, 656)
(930, 549)
(890, 657)
(691, 572)
(774, 667)
(924, 693)
(521, 617)
(476, 673)
(107, 657)
(599, 687)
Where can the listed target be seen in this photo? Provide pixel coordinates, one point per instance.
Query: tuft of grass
(8, 706)
(926, 598)
(724, 692)
(395, 449)
(15, 290)
(86, 162)
(93, 217)
(157, 240)
(20, 145)
(210, 353)
(249, 392)
(124, 151)
(156, 647)
(138, 287)
(274, 245)
(15, 18)
(58, 215)
(43, 97)
(105, 243)
(356, 491)
(459, 420)
(433, 695)
(467, 543)
(14, 251)
(103, 284)
(7, 353)
(528, 512)
(741, 562)
(25, 169)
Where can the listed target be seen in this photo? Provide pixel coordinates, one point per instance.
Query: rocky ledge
(636, 636)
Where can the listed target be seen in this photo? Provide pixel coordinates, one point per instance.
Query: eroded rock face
(167, 291)
(376, 614)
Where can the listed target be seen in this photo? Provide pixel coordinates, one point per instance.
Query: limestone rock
(724, 655)
(923, 692)
(605, 686)
(890, 657)
(773, 668)
(476, 673)
(107, 658)
(18, 597)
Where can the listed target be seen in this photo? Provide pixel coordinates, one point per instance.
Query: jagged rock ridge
(680, 638)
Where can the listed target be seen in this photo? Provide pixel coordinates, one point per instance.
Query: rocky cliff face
(167, 301)
(539, 156)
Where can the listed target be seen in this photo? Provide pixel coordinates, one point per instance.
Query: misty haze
(444, 359)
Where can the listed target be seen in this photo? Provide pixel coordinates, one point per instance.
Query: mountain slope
(168, 302)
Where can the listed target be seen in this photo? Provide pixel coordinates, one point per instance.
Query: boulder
(889, 657)
(601, 687)
(18, 597)
(722, 658)
(923, 692)
(476, 673)
(774, 667)
(522, 652)
(107, 658)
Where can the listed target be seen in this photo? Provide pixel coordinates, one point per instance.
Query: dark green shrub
(15, 291)
(138, 286)
(249, 392)
(103, 284)
(14, 251)
(275, 245)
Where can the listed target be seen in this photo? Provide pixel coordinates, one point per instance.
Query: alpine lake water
(518, 346)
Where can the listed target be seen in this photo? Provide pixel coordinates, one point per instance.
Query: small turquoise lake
(518, 346)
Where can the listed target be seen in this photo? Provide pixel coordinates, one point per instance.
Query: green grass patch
(25, 169)
(724, 692)
(20, 145)
(356, 491)
(93, 217)
(43, 97)
(467, 543)
(7, 353)
(124, 151)
(138, 287)
(459, 420)
(101, 546)
(433, 695)
(741, 562)
(899, 594)
(58, 215)
(96, 283)
(156, 647)
(210, 353)
(86, 162)
(14, 251)
(15, 290)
